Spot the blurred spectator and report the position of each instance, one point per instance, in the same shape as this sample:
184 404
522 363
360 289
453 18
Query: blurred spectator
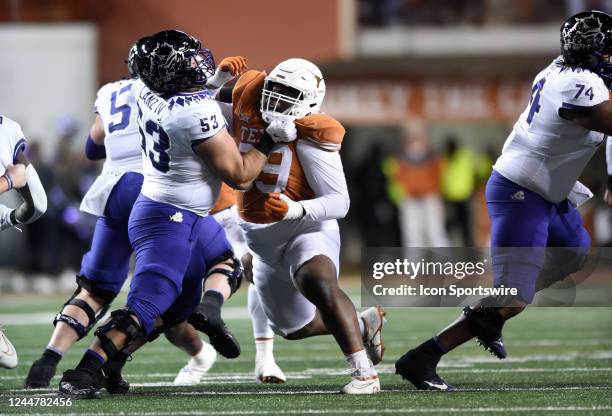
417 175
370 201
458 184
376 13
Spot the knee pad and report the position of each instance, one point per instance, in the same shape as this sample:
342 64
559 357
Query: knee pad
234 276
121 319
93 318
104 294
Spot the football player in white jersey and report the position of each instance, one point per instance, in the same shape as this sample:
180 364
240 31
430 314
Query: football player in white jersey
187 154
289 219
17 173
533 193
114 136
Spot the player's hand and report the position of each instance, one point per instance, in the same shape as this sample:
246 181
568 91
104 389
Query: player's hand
282 129
608 197
16 175
5 218
235 65
283 208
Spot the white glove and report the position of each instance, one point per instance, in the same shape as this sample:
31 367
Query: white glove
5 218
295 210
282 129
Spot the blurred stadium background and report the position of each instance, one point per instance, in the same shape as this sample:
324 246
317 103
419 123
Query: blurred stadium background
428 91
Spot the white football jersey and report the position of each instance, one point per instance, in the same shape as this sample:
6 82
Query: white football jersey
116 106
174 173
546 153
12 142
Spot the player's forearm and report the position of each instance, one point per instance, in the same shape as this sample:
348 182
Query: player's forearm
326 207
252 163
35 199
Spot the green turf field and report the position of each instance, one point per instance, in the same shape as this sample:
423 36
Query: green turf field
560 364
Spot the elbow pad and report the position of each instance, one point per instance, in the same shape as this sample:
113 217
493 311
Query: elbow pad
39 198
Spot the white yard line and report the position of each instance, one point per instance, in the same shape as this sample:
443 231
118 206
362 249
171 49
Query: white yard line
383 369
288 391
485 410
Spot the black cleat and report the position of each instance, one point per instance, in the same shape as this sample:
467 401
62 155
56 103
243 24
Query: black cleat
78 384
419 368
218 333
114 384
487 323
40 375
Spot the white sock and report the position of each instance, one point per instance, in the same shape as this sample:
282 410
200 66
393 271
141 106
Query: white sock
264 349
199 358
359 361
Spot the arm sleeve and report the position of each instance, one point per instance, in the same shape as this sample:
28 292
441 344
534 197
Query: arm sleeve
94 151
583 91
325 175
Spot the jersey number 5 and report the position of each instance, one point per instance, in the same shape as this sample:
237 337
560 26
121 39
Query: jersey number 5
123 109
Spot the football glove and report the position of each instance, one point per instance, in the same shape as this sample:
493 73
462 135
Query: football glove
282 129
283 208
227 69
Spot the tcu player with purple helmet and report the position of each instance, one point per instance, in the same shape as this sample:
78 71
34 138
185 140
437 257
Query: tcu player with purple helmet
533 193
114 136
188 152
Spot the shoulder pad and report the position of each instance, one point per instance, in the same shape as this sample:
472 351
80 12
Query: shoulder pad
247 91
321 129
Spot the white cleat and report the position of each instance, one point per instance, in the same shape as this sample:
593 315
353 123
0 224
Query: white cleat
193 372
8 355
269 372
373 320
362 383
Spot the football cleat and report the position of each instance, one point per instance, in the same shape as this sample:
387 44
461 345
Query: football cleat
487 324
8 355
419 368
193 372
373 321
267 371
362 383
78 385
40 375
109 377
496 347
218 333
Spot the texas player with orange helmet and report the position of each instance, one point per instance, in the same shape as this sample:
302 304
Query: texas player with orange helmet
289 218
